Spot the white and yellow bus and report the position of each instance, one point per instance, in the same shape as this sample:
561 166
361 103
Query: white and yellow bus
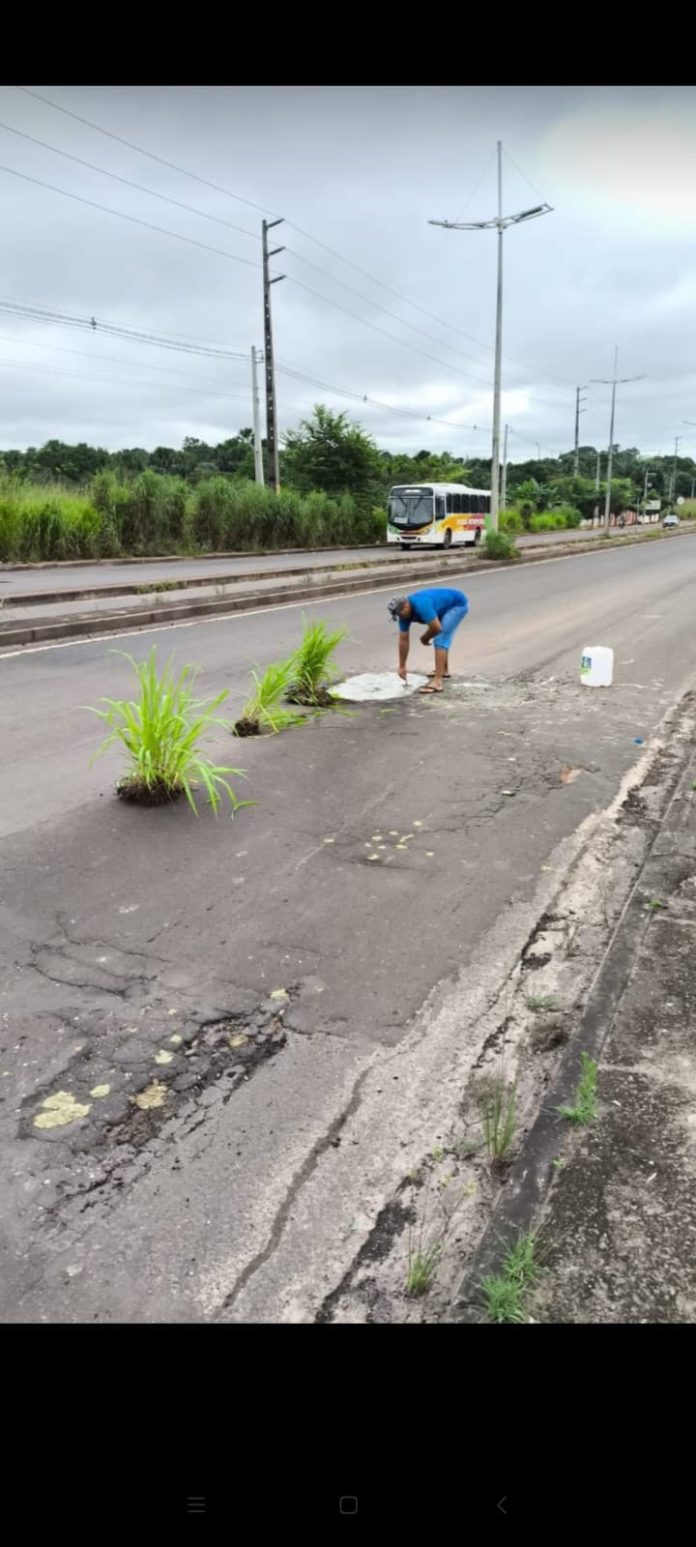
436 514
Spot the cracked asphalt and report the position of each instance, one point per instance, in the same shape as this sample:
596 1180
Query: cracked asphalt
250 1010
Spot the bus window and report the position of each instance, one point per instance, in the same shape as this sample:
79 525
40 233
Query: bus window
450 504
481 501
466 504
439 505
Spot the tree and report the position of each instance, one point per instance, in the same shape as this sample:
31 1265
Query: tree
332 454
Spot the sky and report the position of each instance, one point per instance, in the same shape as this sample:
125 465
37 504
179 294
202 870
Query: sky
380 313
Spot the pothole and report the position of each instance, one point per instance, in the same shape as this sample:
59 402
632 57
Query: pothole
378 687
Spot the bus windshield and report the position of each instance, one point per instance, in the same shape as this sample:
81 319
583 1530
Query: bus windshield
411 507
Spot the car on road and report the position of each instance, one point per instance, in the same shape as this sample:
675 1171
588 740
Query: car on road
671 521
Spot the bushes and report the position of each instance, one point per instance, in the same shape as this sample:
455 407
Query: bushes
157 513
510 521
556 520
498 545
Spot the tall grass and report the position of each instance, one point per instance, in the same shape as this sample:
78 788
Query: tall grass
157 514
312 666
263 710
160 732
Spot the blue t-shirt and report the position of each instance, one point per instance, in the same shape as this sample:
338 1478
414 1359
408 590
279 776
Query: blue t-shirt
427 605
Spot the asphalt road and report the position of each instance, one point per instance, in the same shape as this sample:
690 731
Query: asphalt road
66 577
119 924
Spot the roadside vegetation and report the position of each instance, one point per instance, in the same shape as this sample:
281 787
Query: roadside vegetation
62 502
160 731
585 1107
506 1294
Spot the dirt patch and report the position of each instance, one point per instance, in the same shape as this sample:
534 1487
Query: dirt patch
247 728
139 793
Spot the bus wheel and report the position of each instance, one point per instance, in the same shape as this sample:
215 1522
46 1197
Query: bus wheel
447 539
477 536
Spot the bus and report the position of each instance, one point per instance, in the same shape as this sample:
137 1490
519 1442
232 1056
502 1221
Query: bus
436 514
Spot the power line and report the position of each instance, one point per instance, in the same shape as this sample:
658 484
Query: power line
90 324
26 343
131 146
205 215
23 365
205 182
134 219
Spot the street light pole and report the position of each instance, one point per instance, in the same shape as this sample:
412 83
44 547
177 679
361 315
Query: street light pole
673 479
500 224
613 383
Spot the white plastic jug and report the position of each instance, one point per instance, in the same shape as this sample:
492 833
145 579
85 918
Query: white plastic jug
597 666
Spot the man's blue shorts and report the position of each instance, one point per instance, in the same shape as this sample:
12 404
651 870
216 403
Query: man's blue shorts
450 621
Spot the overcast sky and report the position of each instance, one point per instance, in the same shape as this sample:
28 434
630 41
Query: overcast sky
361 169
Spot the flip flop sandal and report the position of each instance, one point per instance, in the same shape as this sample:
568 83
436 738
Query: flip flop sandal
446 675
429 689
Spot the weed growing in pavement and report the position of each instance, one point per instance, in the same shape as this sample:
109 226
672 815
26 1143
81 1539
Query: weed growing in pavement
426 1245
498 545
655 903
312 667
263 710
542 1002
160 732
506 1293
498 1107
585 1107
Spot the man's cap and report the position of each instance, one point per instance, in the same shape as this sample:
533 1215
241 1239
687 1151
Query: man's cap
396 605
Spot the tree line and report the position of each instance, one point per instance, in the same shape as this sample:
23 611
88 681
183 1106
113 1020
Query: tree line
331 454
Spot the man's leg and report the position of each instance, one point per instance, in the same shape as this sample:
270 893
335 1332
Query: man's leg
446 670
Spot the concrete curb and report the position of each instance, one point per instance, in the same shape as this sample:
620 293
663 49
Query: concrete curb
532 1174
161 614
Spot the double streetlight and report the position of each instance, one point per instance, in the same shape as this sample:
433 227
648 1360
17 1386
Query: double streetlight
500 224
614 382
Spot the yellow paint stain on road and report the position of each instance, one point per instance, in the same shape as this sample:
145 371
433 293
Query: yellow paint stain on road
60 1109
238 1040
279 993
162 1056
151 1097
100 1091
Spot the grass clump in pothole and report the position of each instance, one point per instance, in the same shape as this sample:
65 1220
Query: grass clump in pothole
160 732
506 1293
263 711
585 1107
312 667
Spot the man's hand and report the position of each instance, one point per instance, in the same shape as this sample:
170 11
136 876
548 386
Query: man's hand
402 674
425 638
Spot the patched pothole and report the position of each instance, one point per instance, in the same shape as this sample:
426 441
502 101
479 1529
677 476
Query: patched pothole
125 1092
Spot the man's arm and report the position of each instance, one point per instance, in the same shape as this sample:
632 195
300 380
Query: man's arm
434 627
404 641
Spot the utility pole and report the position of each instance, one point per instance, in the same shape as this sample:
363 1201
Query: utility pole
499 223
258 449
271 418
613 383
503 481
578 412
673 479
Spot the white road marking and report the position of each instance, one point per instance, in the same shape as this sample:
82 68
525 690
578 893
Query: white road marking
255 612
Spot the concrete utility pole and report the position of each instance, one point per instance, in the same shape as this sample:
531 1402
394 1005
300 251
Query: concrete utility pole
271 419
613 383
258 449
599 471
578 412
500 224
503 480
673 479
